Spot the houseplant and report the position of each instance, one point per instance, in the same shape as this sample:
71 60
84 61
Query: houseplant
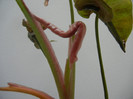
67 80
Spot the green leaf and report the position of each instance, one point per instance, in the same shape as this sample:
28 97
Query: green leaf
116 14
86 7
121 24
114 32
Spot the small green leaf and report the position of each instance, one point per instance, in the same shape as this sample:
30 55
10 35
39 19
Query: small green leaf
121 24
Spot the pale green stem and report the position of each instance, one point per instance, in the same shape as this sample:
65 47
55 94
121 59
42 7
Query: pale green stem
100 59
70 73
46 49
71 11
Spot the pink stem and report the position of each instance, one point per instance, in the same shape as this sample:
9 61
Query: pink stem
76 45
23 89
78 27
56 30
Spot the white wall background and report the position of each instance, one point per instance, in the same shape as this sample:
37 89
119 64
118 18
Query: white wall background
22 63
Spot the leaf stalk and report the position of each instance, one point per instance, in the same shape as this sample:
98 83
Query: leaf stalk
100 59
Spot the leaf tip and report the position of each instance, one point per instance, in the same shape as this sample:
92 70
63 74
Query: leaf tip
124 46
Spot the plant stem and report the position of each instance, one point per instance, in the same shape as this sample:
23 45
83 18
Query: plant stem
72 82
100 59
70 73
46 49
71 11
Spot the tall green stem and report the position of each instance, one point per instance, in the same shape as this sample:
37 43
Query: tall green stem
71 11
100 59
70 73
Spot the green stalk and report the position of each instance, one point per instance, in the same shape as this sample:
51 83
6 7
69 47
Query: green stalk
71 11
72 82
100 59
70 73
46 49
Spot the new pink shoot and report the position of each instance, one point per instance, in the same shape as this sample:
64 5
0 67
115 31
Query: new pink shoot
78 29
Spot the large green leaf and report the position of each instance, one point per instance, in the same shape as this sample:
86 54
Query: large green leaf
121 24
116 14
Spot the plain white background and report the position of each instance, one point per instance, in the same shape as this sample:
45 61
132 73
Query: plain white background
22 63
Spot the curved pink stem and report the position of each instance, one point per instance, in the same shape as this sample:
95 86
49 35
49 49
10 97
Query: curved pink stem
78 28
72 30
76 45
